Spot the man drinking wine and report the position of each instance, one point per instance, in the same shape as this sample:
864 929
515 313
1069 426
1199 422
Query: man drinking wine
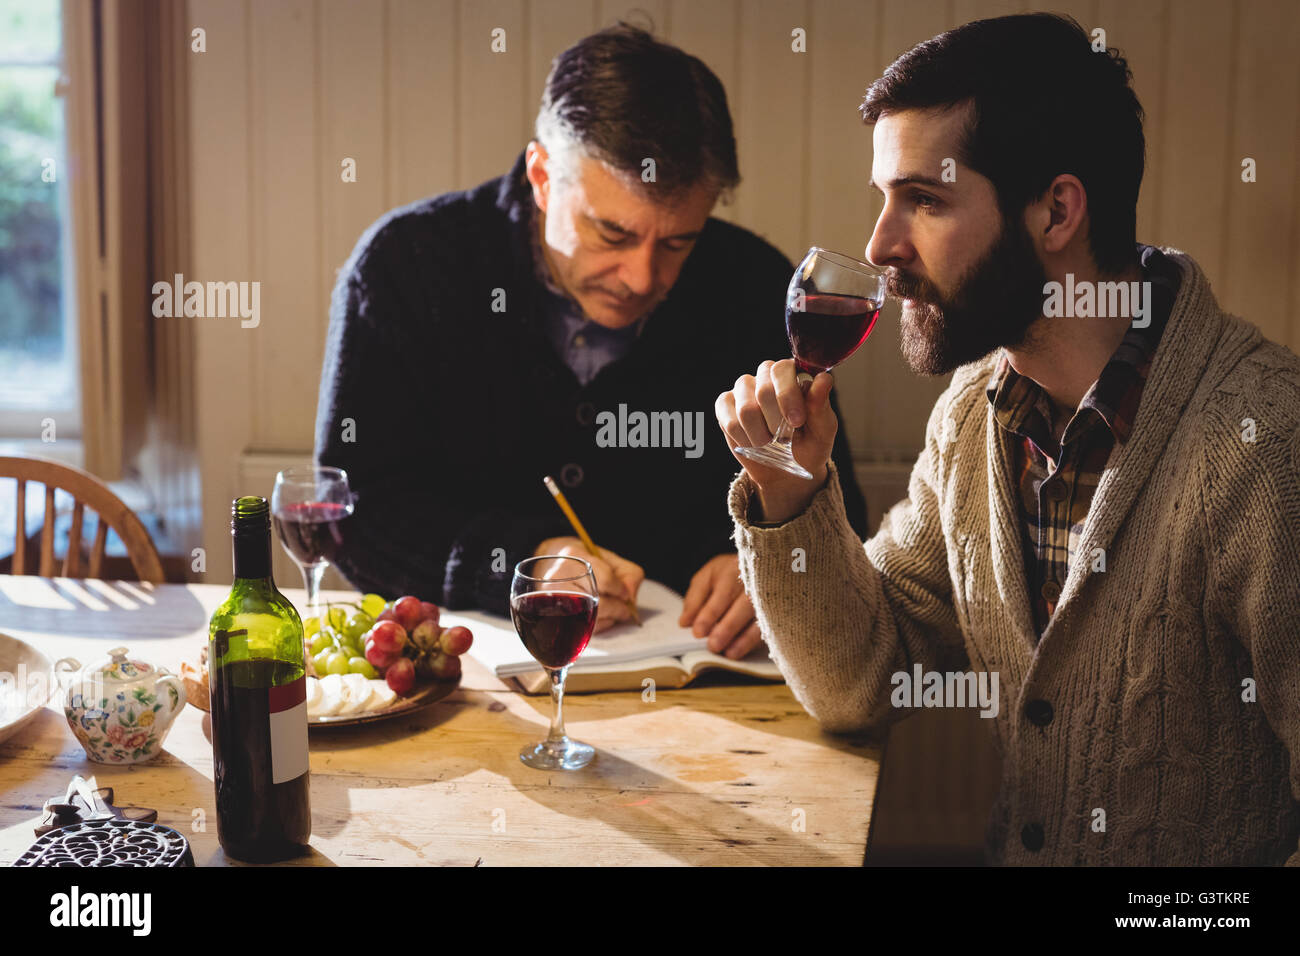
1106 510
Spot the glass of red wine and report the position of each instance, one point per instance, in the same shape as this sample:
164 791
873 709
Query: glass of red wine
831 307
308 507
553 601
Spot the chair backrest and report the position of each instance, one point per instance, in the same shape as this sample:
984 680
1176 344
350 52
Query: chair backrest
87 492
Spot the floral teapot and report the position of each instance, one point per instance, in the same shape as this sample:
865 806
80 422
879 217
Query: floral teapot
120 709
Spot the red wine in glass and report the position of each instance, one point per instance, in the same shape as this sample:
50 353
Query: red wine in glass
829 328
831 307
308 506
310 530
555 626
553 602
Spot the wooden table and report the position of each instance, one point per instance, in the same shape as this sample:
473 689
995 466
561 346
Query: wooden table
724 774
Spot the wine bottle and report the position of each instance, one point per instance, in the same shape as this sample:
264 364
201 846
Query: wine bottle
258 676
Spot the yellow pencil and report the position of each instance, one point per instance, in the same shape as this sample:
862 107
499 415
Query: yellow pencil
590 545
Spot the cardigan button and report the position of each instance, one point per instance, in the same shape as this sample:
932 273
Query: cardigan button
571 475
1031 835
1051 592
586 413
1039 712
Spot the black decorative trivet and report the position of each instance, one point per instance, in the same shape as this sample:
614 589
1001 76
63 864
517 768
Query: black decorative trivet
109 843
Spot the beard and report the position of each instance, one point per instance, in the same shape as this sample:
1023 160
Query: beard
995 304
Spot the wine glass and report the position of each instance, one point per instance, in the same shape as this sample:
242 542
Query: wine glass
308 507
553 602
831 307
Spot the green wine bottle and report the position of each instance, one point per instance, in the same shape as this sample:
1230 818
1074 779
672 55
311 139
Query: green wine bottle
258 676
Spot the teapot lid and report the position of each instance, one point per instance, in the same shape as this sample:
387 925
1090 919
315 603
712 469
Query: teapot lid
118 668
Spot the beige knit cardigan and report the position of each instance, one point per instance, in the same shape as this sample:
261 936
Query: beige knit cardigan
1152 721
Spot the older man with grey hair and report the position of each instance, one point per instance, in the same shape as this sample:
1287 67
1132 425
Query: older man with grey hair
575 317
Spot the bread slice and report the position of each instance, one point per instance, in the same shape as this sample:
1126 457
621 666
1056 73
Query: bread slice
196 685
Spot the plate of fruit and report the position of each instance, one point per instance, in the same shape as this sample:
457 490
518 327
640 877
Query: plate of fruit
379 659
368 661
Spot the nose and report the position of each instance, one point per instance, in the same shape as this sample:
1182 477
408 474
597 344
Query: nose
889 243
637 270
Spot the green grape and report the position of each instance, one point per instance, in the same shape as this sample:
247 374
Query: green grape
320 660
359 665
319 643
338 617
310 625
373 605
357 625
337 663
350 647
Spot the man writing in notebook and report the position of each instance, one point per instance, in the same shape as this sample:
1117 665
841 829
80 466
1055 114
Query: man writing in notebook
1106 510
575 317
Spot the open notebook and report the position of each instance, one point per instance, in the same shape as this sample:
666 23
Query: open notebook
619 658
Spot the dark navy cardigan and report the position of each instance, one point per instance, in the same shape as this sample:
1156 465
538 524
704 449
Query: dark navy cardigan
457 410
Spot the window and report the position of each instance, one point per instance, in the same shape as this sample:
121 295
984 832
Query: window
39 376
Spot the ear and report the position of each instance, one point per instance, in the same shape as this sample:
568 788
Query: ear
535 159
1060 214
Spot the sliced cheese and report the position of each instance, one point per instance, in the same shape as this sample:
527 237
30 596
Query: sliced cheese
333 696
358 694
339 695
381 694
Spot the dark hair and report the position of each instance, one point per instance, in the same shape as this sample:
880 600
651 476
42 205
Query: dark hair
1044 104
626 97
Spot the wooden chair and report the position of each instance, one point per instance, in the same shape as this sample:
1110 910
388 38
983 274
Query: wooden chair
87 492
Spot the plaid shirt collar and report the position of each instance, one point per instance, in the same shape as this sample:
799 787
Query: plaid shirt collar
1114 395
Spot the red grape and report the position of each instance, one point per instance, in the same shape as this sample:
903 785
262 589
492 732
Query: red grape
401 676
431 612
409 611
389 637
378 657
456 640
385 615
445 666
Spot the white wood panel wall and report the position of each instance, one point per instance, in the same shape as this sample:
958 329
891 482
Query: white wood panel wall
411 91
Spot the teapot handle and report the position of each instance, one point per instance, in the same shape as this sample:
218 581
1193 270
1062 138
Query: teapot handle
64 667
177 687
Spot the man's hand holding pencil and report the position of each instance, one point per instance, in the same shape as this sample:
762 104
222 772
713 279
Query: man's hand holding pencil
616 577
716 606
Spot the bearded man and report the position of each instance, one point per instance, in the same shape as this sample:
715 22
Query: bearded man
1106 511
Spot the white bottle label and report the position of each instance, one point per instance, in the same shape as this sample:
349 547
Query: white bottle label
288 705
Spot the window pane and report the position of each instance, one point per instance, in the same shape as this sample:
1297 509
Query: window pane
35 356
29 29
